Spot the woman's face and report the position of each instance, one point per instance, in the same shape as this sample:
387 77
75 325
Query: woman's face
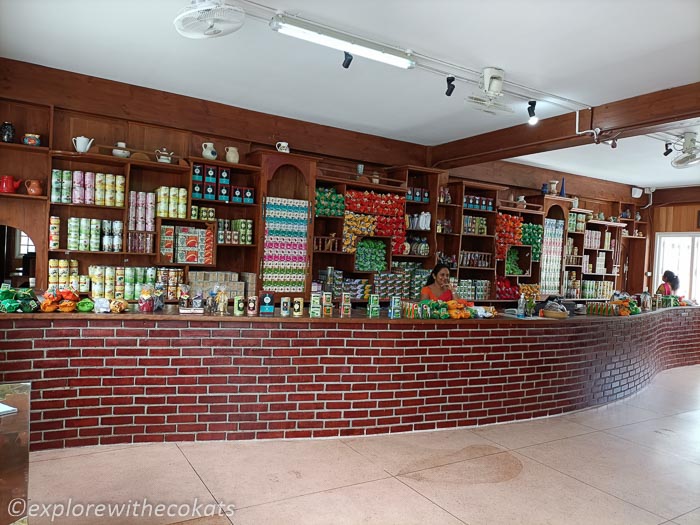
443 277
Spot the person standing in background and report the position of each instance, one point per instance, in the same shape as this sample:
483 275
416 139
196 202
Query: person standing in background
670 283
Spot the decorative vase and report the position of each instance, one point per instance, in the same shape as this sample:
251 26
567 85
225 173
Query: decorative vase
7 132
553 187
562 191
208 151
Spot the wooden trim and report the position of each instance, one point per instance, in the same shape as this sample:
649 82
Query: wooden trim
83 93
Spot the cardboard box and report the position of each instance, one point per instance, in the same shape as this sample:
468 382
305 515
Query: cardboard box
210 190
210 174
224 176
249 195
197 173
197 190
223 195
237 195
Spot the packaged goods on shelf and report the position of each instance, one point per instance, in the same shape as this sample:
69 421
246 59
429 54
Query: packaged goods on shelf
474 289
505 289
596 289
388 285
285 247
474 225
329 203
369 202
78 187
234 231
474 202
357 225
532 235
370 255
171 202
512 259
193 245
591 239
474 259
552 252
508 233
88 234
357 288
205 281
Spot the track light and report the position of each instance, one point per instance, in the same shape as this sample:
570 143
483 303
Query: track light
324 36
531 111
347 60
450 86
668 149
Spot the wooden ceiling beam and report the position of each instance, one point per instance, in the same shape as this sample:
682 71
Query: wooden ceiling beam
659 111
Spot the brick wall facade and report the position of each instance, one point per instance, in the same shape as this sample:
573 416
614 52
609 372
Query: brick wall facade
128 379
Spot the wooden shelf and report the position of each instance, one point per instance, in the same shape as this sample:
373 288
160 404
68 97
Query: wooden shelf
360 184
24 148
336 217
223 203
334 252
484 236
93 206
23 196
477 268
236 167
416 230
520 210
448 234
416 203
445 205
409 256
607 223
477 210
635 237
581 210
108 160
601 274
236 246
188 221
100 252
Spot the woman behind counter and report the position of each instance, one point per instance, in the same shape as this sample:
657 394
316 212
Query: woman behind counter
439 287
670 283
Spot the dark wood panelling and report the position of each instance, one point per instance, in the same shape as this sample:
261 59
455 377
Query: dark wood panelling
532 178
63 89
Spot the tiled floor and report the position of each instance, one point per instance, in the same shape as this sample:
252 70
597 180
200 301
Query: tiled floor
634 462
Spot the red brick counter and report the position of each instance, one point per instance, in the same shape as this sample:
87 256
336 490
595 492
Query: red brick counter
100 379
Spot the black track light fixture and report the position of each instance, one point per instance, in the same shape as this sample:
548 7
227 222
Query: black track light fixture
347 60
531 111
450 86
668 149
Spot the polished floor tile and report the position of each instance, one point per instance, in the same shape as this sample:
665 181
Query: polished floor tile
611 416
525 433
128 478
403 453
658 482
632 462
382 502
509 488
674 434
250 473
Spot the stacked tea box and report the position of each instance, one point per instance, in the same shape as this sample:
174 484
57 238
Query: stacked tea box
64 272
78 187
194 245
357 288
251 282
206 281
142 212
388 285
171 202
285 248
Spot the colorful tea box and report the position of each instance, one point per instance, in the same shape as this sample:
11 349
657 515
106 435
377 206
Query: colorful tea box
237 195
224 176
395 307
267 303
248 195
345 305
197 189
210 174
197 173
223 195
210 190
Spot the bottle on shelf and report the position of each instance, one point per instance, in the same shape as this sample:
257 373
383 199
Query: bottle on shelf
521 306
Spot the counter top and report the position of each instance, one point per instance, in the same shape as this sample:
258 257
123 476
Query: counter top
170 313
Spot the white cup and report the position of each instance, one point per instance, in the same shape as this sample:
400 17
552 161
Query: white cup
32 282
282 147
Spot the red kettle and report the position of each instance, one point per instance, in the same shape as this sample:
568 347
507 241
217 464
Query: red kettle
8 184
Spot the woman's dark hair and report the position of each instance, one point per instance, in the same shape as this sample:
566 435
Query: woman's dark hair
672 279
433 274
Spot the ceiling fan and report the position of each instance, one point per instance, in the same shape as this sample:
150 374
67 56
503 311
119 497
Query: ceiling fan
690 154
209 19
491 84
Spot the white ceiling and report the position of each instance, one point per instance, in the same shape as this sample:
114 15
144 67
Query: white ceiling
590 51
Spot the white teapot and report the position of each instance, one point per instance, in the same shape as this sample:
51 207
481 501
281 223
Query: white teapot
231 154
82 144
208 151
162 155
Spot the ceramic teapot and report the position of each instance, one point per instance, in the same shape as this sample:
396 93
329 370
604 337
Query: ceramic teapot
33 187
208 151
82 144
8 184
162 155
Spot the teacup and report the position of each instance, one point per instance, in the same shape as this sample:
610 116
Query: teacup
282 147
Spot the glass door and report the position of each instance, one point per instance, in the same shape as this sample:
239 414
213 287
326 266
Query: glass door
680 253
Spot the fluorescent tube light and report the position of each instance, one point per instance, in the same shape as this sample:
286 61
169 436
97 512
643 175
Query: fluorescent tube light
340 41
